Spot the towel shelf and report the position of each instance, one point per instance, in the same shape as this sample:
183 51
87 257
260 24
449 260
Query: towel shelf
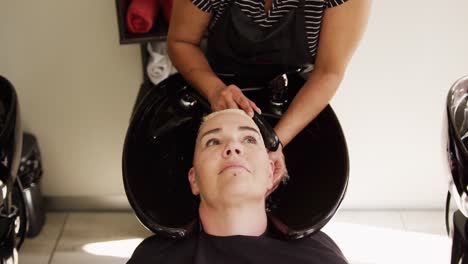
157 33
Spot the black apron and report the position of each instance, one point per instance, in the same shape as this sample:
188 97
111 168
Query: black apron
238 45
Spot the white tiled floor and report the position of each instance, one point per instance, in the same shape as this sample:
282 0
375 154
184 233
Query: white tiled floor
364 237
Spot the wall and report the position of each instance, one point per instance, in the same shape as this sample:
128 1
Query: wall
391 104
77 87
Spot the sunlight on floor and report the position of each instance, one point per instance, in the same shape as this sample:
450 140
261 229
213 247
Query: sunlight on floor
362 244
115 248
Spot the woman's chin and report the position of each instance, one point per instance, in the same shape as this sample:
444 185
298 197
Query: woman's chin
241 192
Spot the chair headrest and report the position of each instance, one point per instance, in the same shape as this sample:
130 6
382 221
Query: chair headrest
10 131
457 139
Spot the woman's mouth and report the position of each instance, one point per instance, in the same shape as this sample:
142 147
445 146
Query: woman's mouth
233 166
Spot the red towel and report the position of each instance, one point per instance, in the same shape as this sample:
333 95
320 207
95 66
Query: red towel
141 15
166 6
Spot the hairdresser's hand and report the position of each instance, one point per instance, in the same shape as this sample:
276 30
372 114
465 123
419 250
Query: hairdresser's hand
280 171
231 96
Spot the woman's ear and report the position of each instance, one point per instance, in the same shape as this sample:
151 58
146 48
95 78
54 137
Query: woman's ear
271 171
193 181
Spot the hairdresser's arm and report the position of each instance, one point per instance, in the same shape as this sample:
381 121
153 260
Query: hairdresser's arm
341 31
188 24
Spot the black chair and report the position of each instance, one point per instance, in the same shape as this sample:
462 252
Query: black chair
159 146
29 177
457 161
12 228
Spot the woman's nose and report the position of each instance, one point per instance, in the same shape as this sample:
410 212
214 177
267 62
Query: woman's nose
232 148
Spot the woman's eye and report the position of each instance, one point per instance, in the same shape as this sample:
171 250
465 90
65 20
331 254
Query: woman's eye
250 140
211 142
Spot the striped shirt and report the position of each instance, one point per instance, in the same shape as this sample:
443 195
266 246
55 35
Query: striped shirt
255 9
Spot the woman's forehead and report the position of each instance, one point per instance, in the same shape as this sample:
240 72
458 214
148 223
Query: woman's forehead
228 120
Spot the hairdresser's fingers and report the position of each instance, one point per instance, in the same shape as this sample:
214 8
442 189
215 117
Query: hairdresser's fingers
279 176
231 103
255 107
225 98
280 170
232 97
244 104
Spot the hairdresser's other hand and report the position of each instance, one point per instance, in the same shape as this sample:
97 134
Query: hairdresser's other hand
231 96
280 171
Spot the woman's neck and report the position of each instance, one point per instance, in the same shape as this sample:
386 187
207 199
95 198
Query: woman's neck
247 220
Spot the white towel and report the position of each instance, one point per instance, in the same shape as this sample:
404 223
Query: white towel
159 65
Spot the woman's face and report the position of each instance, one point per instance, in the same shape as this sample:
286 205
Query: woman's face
231 164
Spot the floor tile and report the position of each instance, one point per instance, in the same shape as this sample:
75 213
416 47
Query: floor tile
363 244
381 237
38 250
364 237
388 219
431 222
99 238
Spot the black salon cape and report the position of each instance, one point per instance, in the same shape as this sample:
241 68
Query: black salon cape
207 249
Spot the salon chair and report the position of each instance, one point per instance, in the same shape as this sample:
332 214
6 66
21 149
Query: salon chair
456 135
12 221
29 177
159 145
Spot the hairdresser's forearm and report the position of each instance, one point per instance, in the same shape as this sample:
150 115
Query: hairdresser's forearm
308 103
194 67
